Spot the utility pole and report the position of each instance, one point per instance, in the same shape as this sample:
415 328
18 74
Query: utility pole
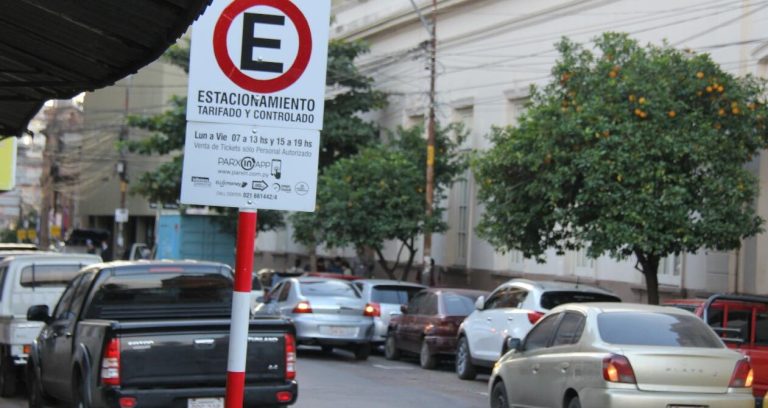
119 243
430 187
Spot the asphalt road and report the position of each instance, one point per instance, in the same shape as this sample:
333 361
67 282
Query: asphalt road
339 381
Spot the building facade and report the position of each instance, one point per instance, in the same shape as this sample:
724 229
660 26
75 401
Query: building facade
488 54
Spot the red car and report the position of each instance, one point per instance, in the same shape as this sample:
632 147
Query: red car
742 323
429 324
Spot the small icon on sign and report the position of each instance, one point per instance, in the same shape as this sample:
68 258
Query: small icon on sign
276 187
260 185
302 188
277 168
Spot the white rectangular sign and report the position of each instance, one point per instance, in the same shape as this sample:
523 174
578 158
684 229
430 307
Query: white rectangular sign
250 167
260 62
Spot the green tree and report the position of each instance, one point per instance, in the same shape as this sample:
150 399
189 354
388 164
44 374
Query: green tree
630 151
344 132
378 195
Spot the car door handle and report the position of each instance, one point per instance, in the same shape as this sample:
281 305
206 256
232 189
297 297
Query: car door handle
510 318
564 367
490 319
68 334
535 368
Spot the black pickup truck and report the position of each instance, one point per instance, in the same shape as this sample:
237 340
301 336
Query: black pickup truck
154 334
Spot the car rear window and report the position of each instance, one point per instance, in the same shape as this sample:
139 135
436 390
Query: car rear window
328 288
458 305
34 276
550 300
656 329
162 295
399 295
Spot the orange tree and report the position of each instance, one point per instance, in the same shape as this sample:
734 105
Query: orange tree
632 151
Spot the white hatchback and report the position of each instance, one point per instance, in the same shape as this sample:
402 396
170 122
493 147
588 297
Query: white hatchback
509 312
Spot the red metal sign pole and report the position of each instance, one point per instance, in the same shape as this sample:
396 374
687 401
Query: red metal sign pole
241 303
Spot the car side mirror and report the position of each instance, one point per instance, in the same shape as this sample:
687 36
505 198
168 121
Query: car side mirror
38 313
404 309
514 344
480 303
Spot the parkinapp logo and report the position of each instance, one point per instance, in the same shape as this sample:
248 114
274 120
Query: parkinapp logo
246 163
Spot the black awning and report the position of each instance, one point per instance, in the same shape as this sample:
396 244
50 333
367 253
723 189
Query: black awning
55 49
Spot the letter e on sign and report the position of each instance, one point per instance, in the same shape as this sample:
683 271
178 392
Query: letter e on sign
252 43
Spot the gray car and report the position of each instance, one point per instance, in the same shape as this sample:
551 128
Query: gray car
326 312
385 297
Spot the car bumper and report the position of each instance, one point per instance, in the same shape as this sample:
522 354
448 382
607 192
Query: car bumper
626 398
323 332
255 395
380 329
441 344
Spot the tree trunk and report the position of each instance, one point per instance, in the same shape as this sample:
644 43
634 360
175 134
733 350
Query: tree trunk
650 269
409 263
383 262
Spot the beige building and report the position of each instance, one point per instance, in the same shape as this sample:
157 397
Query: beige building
488 54
103 166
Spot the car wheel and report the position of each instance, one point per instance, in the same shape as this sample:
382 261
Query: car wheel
499 396
574 403
37 398
7 377
362 351
390 348
464 368
427 360
79 395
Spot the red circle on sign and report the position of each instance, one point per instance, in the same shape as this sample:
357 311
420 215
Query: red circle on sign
231 70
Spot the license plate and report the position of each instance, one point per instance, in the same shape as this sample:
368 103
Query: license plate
205 403
339 331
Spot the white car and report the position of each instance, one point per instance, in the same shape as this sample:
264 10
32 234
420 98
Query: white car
385 298
34 278
509 312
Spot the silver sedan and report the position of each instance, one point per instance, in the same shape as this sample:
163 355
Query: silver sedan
621 355
326 312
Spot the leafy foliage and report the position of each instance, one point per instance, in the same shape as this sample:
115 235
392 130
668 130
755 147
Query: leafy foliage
378 194
628 151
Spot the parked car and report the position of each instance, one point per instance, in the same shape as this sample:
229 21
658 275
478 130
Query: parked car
429 324
154 334
26 280
385 297
327 312
742 323
510 311
620 355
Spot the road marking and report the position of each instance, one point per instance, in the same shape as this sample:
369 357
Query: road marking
384 367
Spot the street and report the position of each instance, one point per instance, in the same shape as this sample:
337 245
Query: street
339 381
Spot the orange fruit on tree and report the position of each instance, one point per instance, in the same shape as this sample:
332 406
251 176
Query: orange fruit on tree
672 114
612 74
700 75
641 100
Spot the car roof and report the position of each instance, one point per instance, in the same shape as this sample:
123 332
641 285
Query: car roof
389 282
556 286
161 263
48 256
608 307
6 246
458 291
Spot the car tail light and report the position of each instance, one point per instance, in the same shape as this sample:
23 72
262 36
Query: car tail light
617 369
742 376
302 307
534 317
372 310
127 402
284 396
110 363
290 357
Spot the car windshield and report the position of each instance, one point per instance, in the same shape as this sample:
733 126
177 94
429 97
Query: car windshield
458 305
328 288
656 329
549 300
33 276
399 295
